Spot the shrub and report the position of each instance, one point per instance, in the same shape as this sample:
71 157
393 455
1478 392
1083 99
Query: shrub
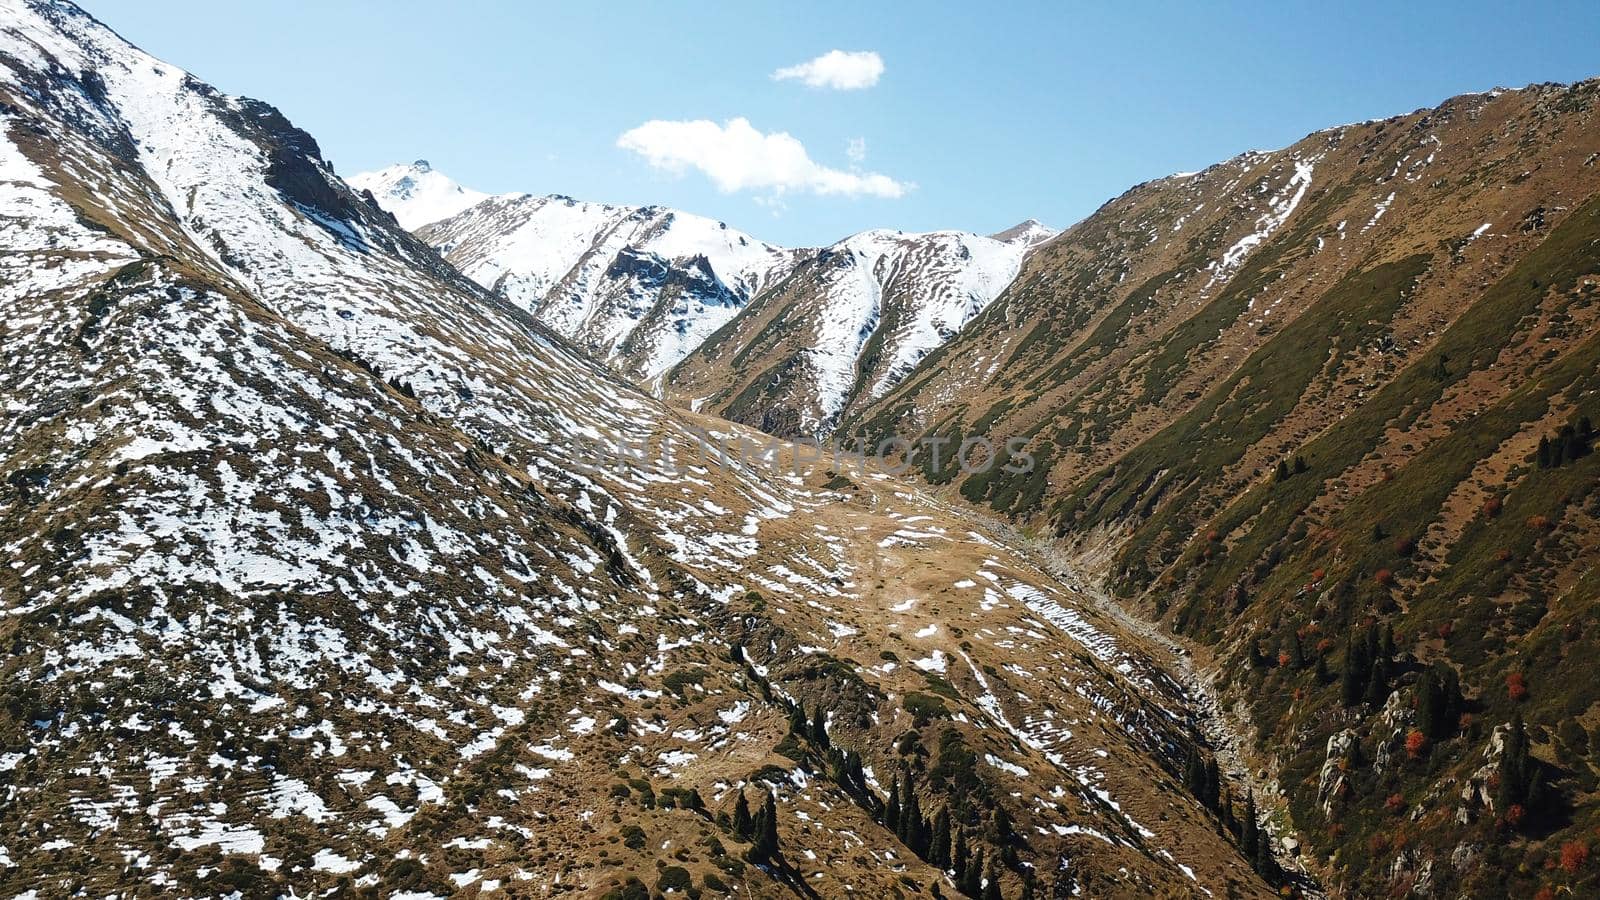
1395 802
1539 523
1384 577
1492 507
1574 854
1416 745
924 708
674 878
1405 546
1516 686
1515 814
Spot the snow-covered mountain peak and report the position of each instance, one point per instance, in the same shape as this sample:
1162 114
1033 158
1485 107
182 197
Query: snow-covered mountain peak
416 193
1029 233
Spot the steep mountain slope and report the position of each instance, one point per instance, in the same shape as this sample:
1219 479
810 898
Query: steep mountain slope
1328 411
847 324
325 573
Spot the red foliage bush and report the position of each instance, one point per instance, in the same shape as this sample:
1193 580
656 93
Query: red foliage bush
1213 536
1405 546
1416 744
1515 814
1318 574
1573 856
1539 523
1384 577
1395 803
1502 555
1492 507
1516 686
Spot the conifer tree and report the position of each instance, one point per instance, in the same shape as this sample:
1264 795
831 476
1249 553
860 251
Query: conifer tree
1521 779
1356 667
1377 684
972 883
819 727
1213 784
743 827
959 858
939 848
765 846
1249 830
991 884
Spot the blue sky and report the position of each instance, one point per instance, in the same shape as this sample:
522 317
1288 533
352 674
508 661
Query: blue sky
980 118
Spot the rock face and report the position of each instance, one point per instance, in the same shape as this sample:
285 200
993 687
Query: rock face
322 579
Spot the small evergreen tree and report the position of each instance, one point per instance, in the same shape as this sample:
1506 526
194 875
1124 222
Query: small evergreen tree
1439 702
1521 777
765 846
819 727
939 848
991 884
1249 830
1356 666
959 858
1377 684
972 884
743 826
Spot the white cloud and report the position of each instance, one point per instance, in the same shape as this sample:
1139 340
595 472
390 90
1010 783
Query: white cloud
856 150
838 70
738 157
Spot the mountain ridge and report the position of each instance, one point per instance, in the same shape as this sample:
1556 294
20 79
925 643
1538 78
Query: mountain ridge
624 281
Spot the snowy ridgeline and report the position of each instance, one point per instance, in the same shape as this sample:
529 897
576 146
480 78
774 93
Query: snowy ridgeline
644 287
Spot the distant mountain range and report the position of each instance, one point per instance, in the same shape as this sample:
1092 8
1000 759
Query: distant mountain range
813 331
